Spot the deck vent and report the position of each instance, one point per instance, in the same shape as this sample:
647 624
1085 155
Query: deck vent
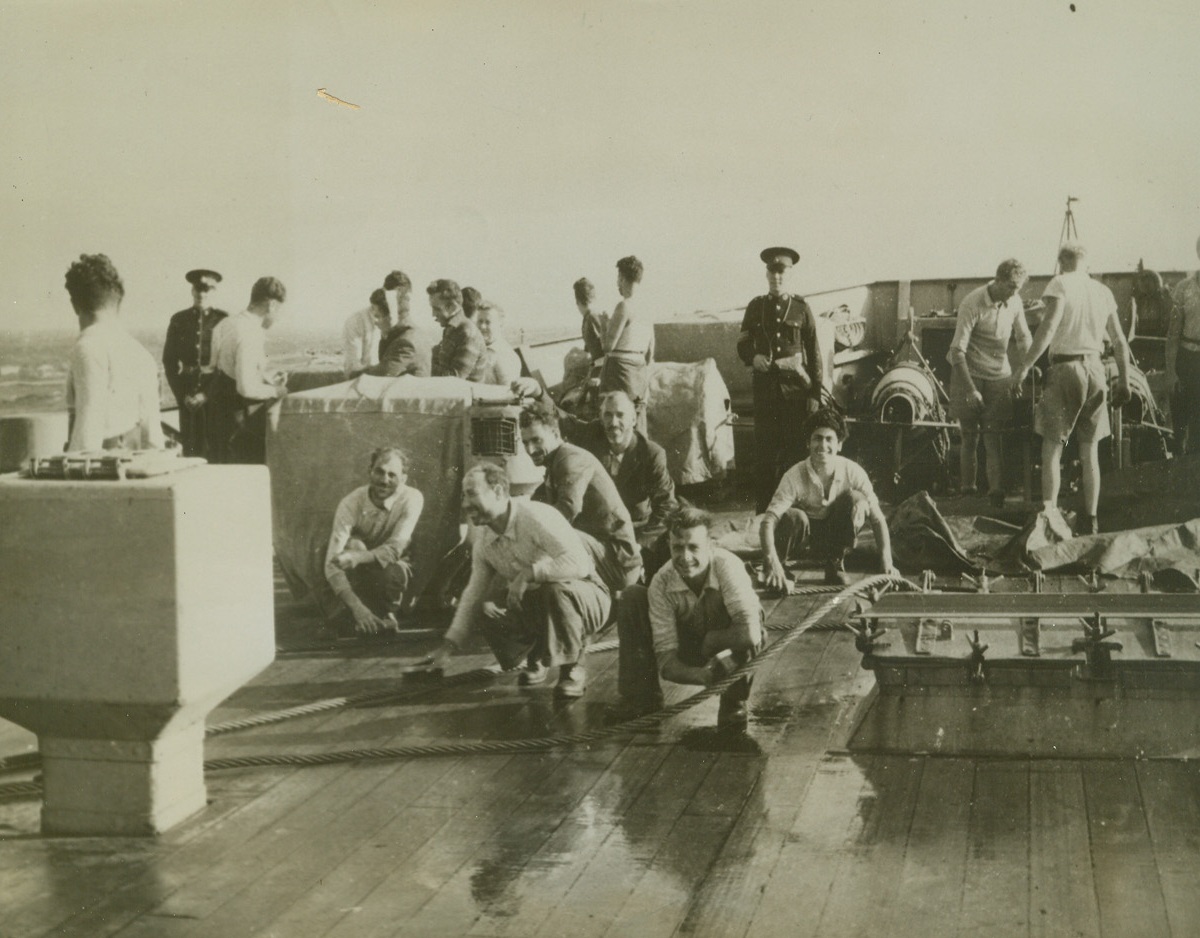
493 436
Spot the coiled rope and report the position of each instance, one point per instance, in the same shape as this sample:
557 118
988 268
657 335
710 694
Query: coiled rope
538 744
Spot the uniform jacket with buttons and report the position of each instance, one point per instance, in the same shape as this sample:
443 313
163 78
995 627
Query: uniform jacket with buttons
188 347
780 327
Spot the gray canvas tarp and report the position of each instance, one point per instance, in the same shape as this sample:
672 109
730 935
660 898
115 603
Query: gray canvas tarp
318 451
688 415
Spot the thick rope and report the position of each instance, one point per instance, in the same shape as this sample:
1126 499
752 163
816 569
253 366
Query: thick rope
791 633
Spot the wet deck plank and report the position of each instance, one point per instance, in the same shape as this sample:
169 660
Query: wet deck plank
638 836
1128 894
1062 891
1171 796
930 881
996 881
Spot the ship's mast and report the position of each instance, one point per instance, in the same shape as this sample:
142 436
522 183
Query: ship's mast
1069 231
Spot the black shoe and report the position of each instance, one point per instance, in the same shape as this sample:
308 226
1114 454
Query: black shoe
835 572
1087 524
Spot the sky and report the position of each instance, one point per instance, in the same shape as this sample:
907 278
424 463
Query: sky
515 145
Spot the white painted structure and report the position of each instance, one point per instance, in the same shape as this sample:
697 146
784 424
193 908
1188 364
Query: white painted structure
130 610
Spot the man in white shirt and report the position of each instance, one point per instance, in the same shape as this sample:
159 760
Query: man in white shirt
242 384
112 381
822 502
981 377
366 561
1080 312
698 619
361 335
533 587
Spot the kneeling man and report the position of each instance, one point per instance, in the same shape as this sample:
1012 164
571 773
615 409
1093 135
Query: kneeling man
699 618
822 502
533 585
365 562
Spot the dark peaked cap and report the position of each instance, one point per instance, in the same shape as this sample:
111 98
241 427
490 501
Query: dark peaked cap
773 255
208 277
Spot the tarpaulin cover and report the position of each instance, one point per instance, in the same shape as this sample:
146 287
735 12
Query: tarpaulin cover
922 540
688 415
318 451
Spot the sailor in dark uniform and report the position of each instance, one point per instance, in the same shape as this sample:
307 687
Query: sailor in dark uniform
779 341
186 350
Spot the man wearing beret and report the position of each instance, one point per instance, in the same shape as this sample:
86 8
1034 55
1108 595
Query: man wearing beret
187 349
779 341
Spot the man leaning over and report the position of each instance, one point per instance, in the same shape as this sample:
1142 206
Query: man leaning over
533 588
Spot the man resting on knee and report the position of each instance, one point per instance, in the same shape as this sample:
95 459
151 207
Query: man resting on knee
698 619
821 503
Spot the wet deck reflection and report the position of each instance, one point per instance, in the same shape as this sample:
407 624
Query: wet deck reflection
673 831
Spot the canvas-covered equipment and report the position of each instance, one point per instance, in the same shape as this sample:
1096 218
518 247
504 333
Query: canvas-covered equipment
688 414
319 450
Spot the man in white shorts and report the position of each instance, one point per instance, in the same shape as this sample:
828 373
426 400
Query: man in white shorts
1079 313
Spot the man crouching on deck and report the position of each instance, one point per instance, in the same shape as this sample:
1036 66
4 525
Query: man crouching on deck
533 585
699 619
821 501
365 562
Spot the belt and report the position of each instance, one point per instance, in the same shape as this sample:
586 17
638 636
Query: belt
1064 359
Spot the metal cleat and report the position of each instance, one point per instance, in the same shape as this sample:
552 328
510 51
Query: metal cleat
1039 581
1031 637
928 580
1162 638
1097 650
1092 581
975 662
1146 581
867 638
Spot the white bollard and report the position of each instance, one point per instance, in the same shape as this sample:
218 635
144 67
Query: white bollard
129 611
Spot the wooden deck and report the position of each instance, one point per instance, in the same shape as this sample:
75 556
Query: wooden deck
658 833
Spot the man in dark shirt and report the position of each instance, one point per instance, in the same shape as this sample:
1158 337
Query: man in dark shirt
403 348
462 352
779 341
636 463
185 352
579 487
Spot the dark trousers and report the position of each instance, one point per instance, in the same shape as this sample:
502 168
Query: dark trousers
381 589
825 538
616 565
1185 403
193 427
237 427
637 664
778 435
552 626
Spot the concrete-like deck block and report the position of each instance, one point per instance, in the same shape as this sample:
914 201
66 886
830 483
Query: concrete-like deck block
130 610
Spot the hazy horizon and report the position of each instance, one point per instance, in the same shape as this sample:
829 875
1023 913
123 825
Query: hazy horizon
515 146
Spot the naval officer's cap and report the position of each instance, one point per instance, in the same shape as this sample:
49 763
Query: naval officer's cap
204 279
783 257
